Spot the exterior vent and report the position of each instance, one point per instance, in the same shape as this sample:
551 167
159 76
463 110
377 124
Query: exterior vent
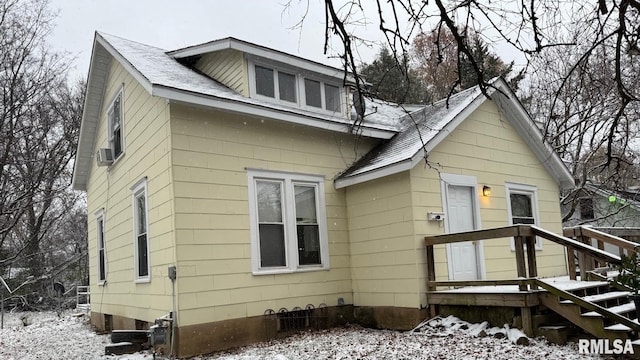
104 157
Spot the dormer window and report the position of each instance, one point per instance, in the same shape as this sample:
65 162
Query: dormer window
289 87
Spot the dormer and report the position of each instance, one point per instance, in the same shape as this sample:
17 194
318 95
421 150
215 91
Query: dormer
269 75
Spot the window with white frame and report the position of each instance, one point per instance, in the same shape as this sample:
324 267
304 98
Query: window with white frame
288 222
102 254
291 88
114 116
141 230
522 205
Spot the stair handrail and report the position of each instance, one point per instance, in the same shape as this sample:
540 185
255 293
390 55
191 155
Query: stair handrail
589 305
590 232
568 242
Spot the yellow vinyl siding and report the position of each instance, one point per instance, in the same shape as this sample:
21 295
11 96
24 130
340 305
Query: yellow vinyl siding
228 67
211 151
146 153
486 146
383 254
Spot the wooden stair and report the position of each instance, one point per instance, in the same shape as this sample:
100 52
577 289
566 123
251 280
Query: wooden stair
596 307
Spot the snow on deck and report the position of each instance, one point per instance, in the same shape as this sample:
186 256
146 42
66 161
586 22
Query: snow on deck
561 282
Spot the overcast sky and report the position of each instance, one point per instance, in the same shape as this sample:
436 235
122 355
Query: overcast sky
173 24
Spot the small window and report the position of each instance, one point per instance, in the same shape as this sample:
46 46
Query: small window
332 97
102 255
312 93
264 81
114 115
287 87
586 209
140 229
522 207
288 223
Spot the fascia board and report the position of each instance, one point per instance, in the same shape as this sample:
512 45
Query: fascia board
259 111
374 174
259 51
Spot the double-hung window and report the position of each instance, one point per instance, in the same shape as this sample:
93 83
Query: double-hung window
288 222
102 254
114 119
522 204
141 231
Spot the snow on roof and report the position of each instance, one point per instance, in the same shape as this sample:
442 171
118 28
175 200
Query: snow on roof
417 128
161 69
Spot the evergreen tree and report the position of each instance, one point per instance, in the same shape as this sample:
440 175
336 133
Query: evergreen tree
393 81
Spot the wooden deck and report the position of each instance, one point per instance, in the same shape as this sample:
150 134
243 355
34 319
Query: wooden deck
563 295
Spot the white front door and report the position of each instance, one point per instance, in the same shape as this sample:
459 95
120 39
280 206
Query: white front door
463 256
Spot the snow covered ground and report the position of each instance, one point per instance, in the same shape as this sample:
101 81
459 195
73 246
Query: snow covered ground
70 337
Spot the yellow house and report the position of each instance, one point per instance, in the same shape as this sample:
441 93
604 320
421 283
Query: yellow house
227 191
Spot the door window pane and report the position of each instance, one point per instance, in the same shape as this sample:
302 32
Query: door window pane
332 97
312 93
264 81
287 86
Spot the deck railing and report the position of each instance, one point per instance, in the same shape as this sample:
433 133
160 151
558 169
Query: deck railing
524 238
618 238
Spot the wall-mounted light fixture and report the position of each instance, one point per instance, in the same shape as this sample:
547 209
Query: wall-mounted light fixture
486 191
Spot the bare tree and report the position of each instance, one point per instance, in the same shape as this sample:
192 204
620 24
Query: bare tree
577 104
39 126
528 27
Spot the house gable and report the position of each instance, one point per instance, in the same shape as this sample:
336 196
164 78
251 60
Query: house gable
424 129
227 66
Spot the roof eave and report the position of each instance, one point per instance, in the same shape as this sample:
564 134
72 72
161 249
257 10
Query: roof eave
410 162
260 51
261 111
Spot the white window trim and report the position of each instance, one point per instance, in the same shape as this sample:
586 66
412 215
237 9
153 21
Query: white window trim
323 103
529 190
301 101
291 251
119 93
136 190
99 215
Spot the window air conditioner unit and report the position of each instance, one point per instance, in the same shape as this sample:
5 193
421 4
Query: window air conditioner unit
104 157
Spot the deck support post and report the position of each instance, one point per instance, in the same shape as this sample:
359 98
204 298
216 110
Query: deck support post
520 265
431 276
527 323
